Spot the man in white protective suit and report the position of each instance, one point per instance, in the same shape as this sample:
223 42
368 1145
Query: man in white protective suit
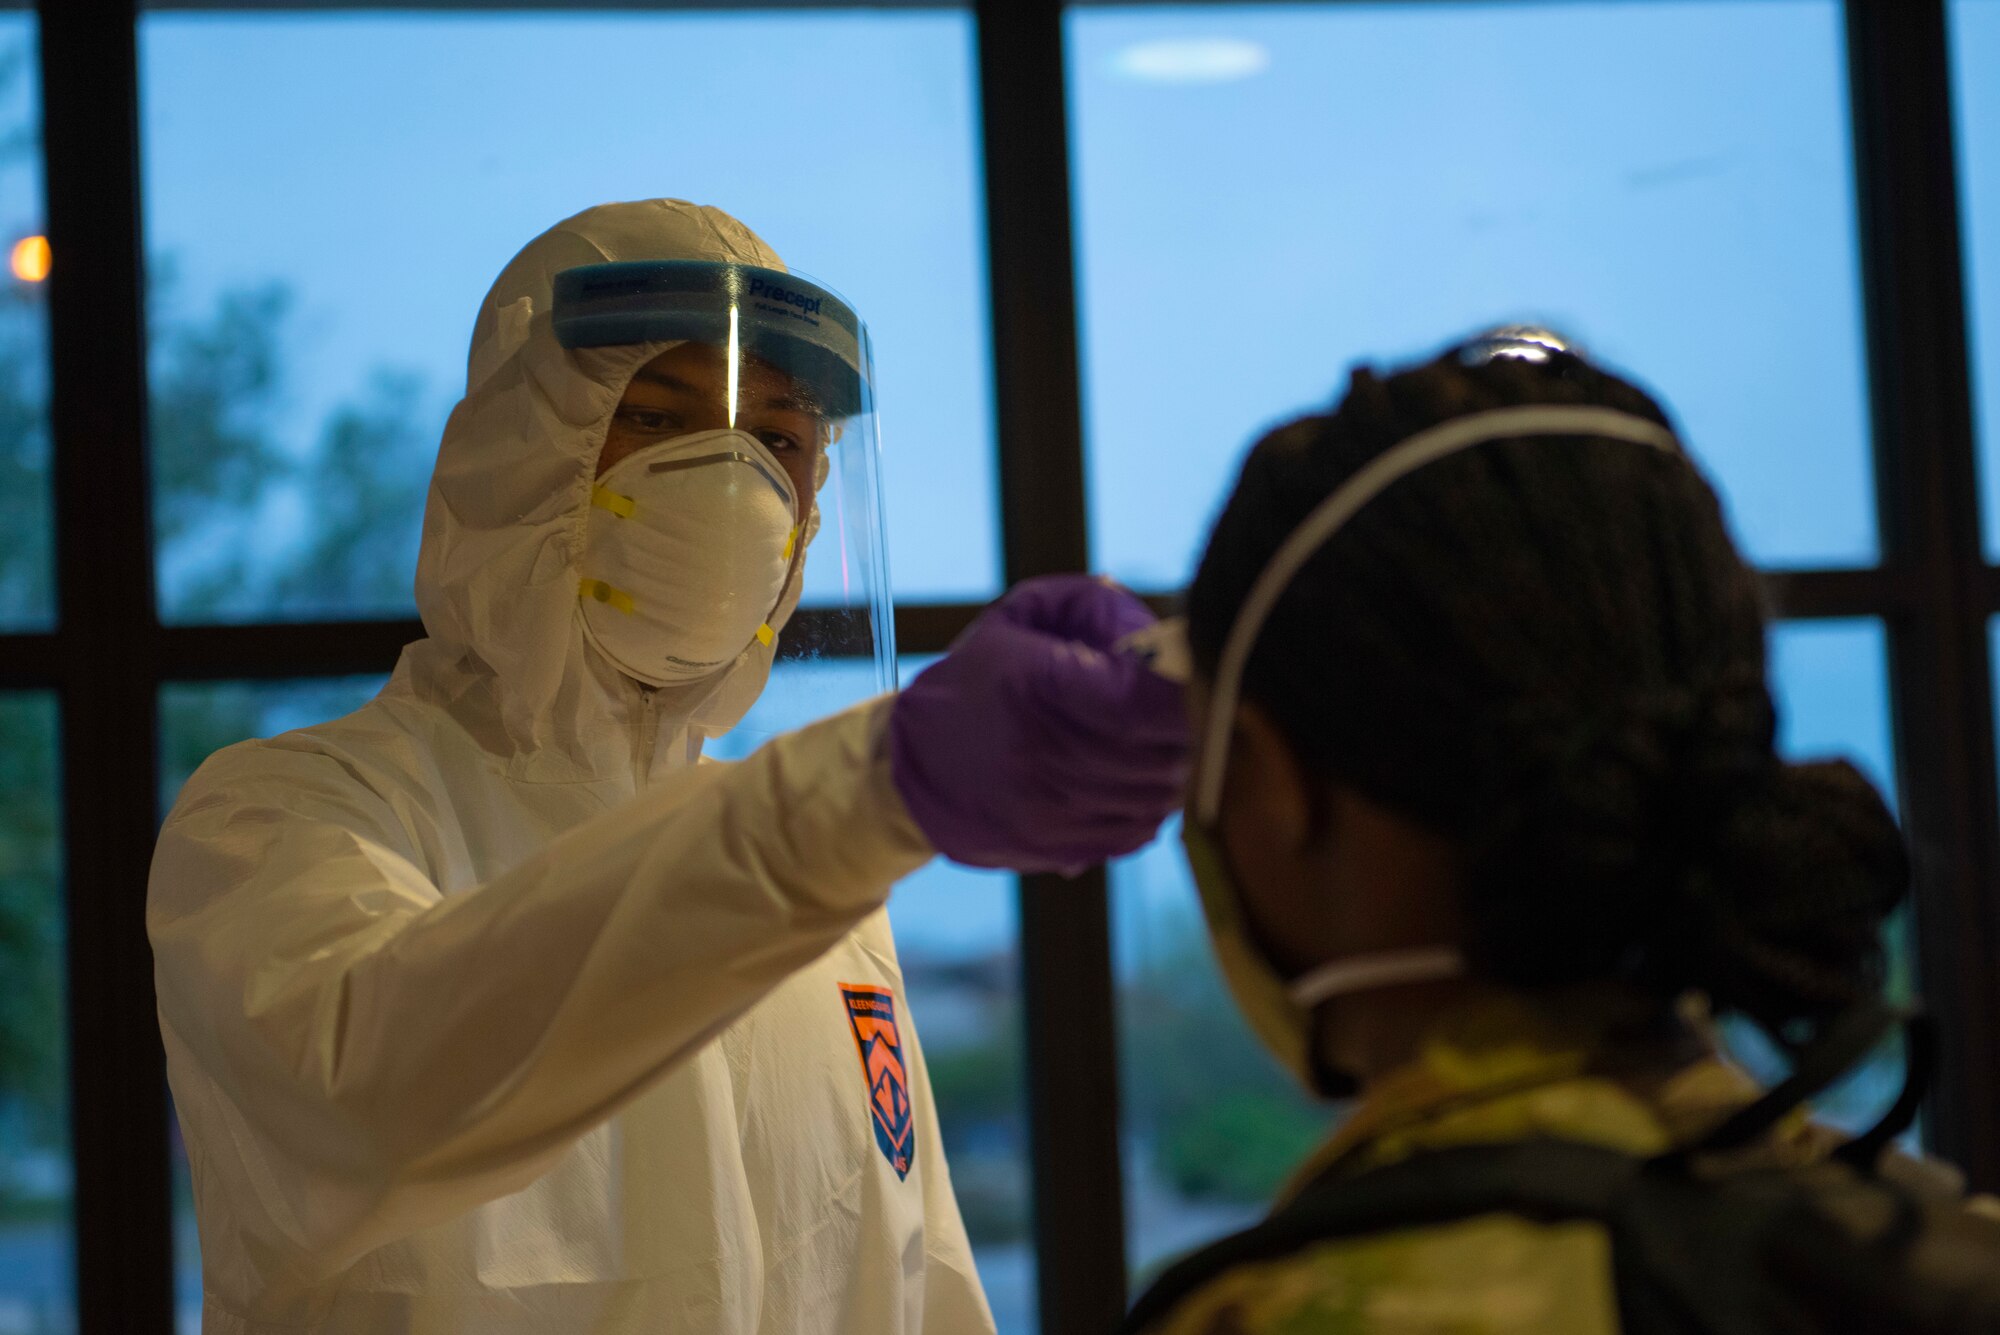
491 1007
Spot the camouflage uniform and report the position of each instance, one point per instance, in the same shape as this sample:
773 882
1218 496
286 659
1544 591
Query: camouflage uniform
1491 1077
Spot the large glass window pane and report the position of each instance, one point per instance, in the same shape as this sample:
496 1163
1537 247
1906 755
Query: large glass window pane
956 936
315 275
1212 1125
1832 683
37 1250
27 594
1975 50
1269 193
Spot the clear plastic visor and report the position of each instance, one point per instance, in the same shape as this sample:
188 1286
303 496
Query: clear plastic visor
783 360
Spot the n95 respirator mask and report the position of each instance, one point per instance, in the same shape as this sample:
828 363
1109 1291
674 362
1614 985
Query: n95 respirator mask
689 549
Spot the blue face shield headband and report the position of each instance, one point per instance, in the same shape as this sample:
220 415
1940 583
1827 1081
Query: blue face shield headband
782 319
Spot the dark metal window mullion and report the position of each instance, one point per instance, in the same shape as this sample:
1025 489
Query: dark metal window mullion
1921 401
273 651
1068 1005
105 654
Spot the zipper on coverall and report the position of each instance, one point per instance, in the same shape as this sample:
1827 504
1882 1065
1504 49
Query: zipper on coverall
648 734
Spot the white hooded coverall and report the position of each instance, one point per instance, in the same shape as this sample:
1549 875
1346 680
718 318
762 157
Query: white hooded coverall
485 1008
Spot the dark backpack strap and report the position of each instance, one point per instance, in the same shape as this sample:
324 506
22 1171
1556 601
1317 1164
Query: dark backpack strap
1540 1180
1848 1037
1920 1050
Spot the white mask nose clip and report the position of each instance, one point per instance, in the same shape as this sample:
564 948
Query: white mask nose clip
777 478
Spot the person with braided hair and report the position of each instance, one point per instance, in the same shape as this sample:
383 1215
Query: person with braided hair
1488 825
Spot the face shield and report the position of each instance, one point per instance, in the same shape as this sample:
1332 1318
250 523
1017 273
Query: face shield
738 490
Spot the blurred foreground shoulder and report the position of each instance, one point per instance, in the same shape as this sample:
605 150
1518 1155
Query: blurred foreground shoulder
1493 1275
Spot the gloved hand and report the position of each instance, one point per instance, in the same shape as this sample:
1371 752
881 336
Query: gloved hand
1032 745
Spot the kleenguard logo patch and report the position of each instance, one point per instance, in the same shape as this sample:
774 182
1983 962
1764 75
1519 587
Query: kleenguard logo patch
871 1012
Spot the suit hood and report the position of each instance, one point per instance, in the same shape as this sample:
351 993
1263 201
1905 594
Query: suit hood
504 518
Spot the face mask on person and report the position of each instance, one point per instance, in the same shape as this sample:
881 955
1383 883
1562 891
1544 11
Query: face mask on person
1280 1013
690 547
1280 1010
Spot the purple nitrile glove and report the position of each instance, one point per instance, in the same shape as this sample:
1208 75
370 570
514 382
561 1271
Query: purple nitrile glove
1032 744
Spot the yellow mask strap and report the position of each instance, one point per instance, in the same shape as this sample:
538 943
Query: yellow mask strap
605 593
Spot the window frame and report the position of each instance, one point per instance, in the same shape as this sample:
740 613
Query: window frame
109 656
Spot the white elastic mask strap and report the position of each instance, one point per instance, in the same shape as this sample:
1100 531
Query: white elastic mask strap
1318 528
1367 973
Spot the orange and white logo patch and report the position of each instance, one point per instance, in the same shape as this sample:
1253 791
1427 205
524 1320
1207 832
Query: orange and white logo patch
871 1014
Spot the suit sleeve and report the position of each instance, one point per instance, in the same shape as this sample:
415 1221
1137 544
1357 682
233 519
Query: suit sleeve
384 1058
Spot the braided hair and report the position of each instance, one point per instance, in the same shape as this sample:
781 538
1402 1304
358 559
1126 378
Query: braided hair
1550 651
